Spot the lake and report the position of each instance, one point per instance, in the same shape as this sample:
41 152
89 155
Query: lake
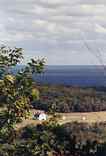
73 75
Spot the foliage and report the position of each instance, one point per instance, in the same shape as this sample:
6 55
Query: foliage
9 57
58 140
70 99
18 89
36 65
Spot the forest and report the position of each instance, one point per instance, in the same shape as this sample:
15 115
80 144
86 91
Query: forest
68 99
19 93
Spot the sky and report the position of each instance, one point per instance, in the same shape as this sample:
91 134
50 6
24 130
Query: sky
65 32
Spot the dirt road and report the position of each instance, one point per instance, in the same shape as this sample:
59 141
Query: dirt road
91 117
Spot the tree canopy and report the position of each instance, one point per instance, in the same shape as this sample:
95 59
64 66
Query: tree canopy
17 90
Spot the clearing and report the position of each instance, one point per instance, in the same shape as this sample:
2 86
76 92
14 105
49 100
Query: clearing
89 117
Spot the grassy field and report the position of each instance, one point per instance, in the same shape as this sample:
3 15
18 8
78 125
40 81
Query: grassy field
91 117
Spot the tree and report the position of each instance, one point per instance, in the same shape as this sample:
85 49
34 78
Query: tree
9 57
18 89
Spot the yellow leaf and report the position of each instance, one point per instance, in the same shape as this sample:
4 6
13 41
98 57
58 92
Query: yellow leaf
9 78
35 94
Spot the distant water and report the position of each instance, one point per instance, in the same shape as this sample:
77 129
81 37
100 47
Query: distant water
73 75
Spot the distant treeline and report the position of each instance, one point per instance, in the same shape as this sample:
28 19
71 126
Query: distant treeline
70 99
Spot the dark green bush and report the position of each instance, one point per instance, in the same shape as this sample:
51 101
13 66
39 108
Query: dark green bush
67 140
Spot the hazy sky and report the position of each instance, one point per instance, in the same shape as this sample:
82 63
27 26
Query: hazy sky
63 31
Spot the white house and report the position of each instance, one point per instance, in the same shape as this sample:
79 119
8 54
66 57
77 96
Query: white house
42 116
39 115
